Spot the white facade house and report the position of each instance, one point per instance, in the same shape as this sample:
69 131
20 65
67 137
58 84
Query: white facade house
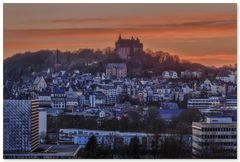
102 114
170 74
166 75
39 84
173 74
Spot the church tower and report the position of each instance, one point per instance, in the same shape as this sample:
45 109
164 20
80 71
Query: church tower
57 64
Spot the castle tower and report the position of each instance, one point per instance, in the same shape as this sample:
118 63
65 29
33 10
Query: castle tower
125 48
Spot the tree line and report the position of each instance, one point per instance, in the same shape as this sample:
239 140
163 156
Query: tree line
167 148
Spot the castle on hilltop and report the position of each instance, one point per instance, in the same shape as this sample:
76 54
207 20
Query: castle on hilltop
127 47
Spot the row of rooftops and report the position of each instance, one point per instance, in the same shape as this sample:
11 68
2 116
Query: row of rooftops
117 65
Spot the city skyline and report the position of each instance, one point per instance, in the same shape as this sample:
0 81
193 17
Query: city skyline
202 33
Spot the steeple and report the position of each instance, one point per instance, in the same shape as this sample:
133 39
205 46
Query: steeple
57 57
120 37
57 64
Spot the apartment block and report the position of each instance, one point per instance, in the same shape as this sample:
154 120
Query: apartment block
21 121
216 137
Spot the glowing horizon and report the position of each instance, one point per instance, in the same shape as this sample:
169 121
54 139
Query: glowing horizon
201 33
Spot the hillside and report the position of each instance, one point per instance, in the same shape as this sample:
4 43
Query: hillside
139 65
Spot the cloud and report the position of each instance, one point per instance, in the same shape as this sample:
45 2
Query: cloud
177 33
133 20
213 59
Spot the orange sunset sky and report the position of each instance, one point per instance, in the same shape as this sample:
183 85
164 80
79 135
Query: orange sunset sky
203 33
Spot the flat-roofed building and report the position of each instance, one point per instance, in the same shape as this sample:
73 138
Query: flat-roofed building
81 136
48 152
211 102
203 103
20 120
216 137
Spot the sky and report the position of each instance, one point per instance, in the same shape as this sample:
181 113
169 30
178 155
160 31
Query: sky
202 33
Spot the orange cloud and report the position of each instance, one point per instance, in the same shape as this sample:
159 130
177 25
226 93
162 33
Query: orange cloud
186 34
213 59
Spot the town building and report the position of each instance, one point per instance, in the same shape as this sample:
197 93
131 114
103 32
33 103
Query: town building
215 137
58 98
212 102
44 99
39 84
92 99
127 47
43 122
20 128
100 98
118 70
204 103
230 78
107 138
96 113
169 74
191 74
71 99
114 139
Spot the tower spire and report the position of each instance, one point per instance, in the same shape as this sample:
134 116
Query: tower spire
120 37
57 57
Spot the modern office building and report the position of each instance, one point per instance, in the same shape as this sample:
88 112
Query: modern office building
114 138
81 136
20 131
211 102
204 103
216 137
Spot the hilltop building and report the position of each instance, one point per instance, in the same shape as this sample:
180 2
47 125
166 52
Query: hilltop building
170 74
118 70
127 47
